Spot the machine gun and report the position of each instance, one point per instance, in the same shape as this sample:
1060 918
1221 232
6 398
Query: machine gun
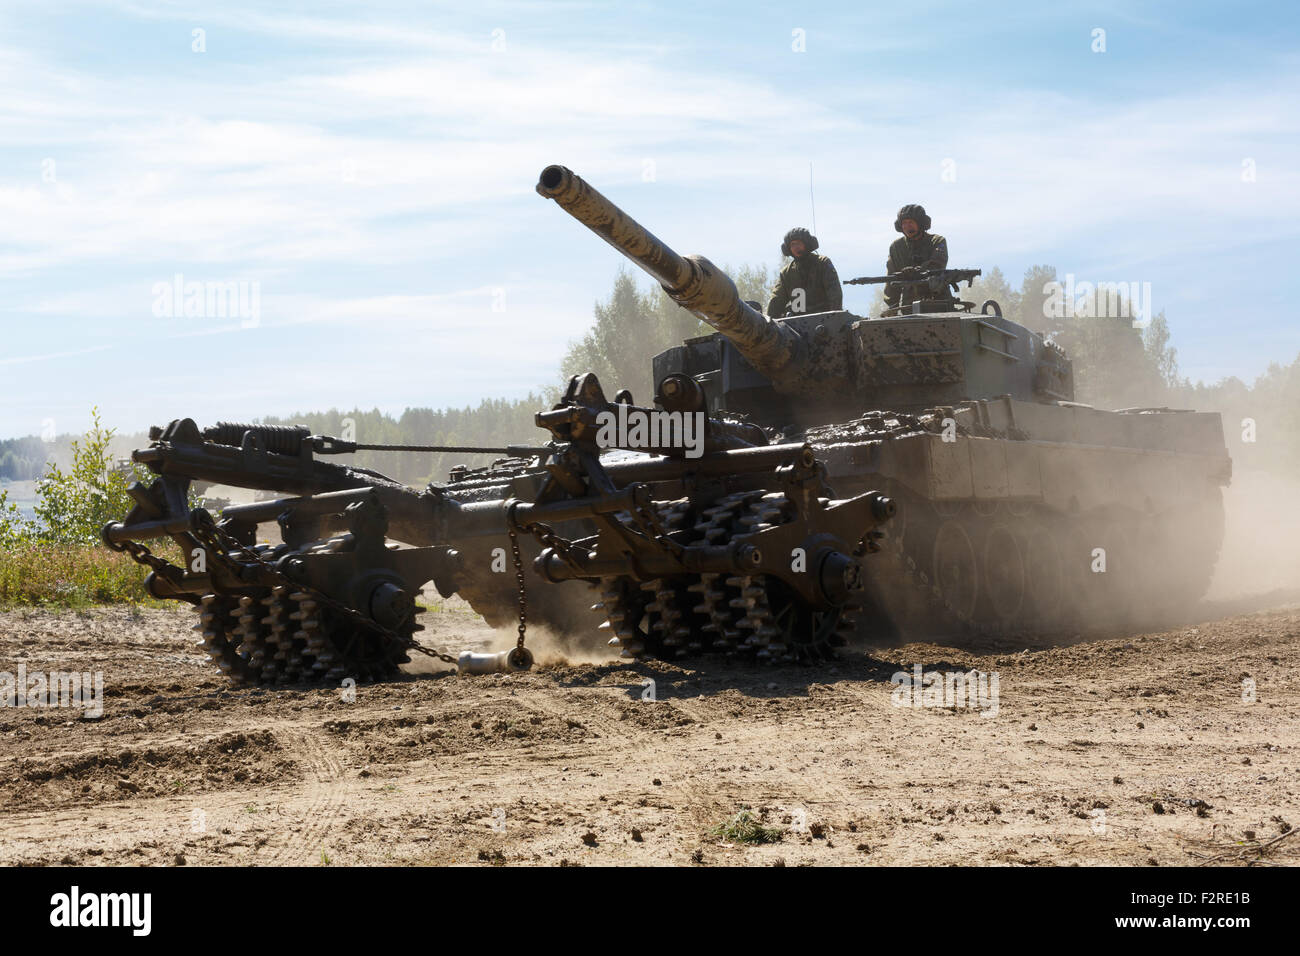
914 276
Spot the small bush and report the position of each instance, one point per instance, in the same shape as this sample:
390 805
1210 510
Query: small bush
745 827
57 559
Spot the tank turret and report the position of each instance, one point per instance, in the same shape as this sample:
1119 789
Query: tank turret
810 368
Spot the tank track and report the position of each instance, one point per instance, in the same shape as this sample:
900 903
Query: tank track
1020 572
1025 574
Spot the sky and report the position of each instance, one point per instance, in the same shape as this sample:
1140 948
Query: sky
364 174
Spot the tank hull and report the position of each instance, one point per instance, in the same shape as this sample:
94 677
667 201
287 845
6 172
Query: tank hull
1033 521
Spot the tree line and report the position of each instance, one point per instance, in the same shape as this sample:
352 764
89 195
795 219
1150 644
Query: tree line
1115 366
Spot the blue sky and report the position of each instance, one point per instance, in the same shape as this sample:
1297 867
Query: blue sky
371 168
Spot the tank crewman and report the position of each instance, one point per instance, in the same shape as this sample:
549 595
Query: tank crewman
808 282
917 250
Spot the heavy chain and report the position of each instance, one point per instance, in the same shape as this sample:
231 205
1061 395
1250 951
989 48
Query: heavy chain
443 656
547 537
519 581
141 554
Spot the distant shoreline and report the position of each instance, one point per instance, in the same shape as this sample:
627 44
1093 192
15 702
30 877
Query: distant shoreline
22 494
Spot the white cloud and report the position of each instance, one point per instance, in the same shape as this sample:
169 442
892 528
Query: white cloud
25 359
379 173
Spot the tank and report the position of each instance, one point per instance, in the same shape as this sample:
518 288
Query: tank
1019 512
803 479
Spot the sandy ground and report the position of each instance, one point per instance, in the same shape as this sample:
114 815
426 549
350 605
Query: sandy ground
1128 749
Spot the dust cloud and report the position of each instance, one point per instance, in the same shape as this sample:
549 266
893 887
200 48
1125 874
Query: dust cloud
553 648
1261 542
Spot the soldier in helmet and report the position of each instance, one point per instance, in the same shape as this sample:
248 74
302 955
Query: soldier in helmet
918 250
808 282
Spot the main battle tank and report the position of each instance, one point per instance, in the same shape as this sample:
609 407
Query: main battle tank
1018 511
916 474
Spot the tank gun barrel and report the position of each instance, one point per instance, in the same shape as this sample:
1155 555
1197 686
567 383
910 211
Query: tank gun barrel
693 282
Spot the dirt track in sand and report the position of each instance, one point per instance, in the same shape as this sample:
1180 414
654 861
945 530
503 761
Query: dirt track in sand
1130 750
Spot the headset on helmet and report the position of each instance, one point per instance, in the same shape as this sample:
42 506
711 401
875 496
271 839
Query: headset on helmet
916 213
798 232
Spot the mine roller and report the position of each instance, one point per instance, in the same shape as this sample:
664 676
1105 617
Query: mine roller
925 473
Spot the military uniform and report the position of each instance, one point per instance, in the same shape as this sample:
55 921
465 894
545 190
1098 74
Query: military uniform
813 273
927 251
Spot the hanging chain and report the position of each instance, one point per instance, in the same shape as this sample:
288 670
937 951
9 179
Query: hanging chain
519 581
140 554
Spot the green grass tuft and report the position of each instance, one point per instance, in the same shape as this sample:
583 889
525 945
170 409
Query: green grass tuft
745 827
70 576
